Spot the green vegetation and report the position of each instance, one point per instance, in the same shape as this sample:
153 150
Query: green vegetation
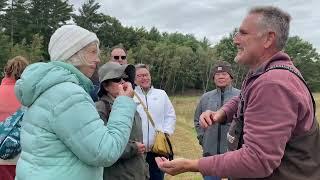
179 62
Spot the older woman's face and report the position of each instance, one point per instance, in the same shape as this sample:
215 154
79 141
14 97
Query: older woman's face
112 87
91 54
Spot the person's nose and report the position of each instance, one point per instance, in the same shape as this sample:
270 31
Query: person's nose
123 61
98 60
236 38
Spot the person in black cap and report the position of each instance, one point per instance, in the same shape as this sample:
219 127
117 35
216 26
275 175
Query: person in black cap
132 163
214 139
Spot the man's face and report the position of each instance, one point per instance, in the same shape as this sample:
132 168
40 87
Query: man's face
143 78
119 55
249 41
222 79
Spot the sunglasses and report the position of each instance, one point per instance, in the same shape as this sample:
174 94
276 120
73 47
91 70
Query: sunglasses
118 80
118 57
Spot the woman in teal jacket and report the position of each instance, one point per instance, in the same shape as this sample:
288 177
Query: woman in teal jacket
62 136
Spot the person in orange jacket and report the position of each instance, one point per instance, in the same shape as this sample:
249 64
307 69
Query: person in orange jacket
9 104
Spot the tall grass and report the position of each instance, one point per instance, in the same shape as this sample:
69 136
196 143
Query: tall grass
184 139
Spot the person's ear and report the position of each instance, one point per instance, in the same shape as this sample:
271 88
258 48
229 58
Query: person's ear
270 39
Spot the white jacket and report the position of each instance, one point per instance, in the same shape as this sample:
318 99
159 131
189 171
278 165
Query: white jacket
161 110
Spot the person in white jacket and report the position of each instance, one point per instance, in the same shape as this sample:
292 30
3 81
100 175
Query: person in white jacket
161 110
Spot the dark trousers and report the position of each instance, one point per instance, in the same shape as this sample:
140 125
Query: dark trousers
155 172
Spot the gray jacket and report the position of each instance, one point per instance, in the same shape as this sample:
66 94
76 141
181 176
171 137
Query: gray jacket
213 139
131 165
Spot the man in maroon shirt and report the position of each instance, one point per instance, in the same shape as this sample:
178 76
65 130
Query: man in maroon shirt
274 133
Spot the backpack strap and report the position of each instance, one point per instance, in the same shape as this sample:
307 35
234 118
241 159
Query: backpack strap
290 69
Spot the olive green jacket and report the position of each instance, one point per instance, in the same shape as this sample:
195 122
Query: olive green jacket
131 165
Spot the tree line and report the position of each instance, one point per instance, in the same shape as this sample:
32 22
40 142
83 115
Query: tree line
179 62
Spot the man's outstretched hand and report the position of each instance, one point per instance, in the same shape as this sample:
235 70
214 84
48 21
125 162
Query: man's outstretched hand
177 166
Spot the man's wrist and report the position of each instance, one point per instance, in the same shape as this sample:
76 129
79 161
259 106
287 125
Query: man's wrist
222 116
192 165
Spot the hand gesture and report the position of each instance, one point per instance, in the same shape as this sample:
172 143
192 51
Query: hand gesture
177 166
141 147
126 89
209 118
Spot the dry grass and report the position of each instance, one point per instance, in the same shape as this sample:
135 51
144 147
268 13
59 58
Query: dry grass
184 139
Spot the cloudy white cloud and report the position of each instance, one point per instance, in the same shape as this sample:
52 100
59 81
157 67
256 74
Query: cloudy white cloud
213 19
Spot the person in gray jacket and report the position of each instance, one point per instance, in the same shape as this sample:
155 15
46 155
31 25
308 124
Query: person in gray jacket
132 164
214 139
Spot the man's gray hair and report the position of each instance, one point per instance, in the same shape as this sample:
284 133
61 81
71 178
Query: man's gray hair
275 19
139 66
119 46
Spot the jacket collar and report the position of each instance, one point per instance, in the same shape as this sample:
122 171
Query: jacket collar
226 89
141 91
8 81
279 56
83 80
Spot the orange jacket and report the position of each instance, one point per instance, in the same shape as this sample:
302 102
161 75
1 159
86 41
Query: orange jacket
8 101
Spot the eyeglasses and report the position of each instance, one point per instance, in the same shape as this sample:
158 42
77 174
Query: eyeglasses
142 75
118 57
118 80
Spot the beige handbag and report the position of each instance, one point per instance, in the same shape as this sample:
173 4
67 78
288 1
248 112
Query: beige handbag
162 144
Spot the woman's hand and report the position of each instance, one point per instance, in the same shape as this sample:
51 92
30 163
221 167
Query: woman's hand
126 89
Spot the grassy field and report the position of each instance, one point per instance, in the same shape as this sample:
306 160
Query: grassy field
184 139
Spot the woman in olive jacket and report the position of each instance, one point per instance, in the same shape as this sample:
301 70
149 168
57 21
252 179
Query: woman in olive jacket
131 164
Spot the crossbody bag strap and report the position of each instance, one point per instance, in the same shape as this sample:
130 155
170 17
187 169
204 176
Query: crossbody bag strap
15 117
145 110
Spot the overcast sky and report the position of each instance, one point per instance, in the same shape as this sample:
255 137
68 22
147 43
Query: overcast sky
211 18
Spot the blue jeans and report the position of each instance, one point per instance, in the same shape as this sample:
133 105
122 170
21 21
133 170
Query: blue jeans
212 178
155 172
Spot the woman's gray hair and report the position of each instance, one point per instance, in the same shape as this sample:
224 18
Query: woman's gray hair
276 20
79 59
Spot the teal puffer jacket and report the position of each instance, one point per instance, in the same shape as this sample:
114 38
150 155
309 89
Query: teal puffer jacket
62 136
